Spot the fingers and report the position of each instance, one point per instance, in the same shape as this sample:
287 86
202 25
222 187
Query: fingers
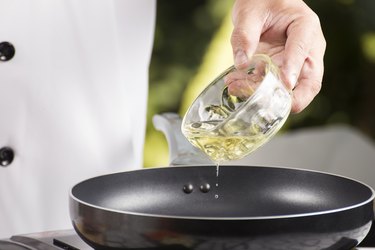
303 65
304 94
303 36
309 83
240 89
248 24
287 30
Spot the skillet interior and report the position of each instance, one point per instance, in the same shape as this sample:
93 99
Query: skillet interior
243 191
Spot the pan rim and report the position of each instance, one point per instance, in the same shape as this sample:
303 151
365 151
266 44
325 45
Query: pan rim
289 216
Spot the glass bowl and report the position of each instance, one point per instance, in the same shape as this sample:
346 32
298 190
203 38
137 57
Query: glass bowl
239 111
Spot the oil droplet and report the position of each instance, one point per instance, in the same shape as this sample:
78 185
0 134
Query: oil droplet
217 179
188 188
205 187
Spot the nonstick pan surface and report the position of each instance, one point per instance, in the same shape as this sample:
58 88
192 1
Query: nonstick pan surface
191 207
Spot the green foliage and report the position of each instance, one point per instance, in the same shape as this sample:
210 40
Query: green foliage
183 32
348 91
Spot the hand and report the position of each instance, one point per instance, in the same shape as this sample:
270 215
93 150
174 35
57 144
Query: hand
290 33
241 84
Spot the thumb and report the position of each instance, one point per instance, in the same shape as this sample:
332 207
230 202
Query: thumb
248 26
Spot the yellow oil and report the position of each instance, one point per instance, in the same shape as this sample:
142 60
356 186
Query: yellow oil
224 143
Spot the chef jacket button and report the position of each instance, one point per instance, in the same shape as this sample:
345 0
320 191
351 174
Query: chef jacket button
6 156
7 51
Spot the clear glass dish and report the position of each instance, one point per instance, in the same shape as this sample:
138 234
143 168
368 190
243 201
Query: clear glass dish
239 111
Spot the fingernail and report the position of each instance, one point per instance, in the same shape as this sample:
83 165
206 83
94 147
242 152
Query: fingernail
293 80
240 58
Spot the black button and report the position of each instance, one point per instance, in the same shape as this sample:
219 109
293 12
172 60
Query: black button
6 156
7 51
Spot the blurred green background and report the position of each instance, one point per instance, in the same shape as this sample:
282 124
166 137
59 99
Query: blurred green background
192 46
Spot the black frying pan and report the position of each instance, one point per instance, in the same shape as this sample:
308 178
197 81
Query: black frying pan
257 208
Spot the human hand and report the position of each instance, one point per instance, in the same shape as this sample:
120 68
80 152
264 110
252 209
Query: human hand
290 33
242 84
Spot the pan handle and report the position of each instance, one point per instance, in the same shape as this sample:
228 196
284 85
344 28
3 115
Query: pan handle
181 151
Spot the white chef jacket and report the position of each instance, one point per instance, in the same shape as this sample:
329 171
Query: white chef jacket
72 100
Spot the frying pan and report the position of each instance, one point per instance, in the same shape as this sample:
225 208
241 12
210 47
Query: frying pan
252 207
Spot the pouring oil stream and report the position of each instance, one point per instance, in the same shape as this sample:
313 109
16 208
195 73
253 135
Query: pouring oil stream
217 180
